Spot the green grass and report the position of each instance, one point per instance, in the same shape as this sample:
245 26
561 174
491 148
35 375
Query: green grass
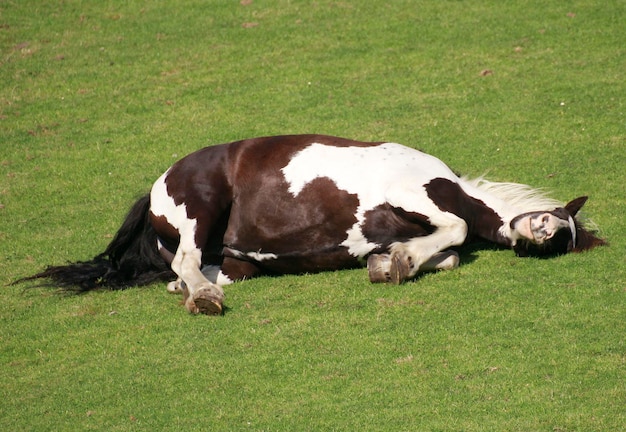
97 99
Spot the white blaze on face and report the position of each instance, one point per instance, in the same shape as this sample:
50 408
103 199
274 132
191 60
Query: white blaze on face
539 227
161 204
369 173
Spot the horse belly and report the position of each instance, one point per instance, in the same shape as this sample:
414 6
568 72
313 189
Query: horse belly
292 234
298 261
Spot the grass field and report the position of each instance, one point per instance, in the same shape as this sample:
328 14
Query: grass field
97 99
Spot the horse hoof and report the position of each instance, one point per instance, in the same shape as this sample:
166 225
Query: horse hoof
384 268
378 266
399 269
175 287
206 302
451 262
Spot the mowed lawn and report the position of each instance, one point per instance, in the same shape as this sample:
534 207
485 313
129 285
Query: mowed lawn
97 99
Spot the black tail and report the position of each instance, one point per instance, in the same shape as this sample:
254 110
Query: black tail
131 259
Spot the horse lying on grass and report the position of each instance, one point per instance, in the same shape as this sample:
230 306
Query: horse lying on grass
308 203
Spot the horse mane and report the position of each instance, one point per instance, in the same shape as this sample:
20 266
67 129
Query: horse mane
521 196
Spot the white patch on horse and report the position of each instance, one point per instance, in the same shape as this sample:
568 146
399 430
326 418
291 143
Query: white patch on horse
257 256
377 174
162 204
214 274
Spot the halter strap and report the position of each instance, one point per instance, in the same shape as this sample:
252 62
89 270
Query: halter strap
572 227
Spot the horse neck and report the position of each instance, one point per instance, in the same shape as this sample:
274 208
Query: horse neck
494 205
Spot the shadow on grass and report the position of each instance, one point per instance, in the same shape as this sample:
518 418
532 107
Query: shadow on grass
467 254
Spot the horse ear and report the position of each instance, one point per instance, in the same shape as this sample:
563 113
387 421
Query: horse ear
575 205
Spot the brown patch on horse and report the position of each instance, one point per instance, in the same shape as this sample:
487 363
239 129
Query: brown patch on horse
386 224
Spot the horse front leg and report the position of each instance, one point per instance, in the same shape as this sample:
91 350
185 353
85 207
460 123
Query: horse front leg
445 260
393 269
406 259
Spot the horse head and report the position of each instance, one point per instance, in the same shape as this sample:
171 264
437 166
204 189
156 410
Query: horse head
553 232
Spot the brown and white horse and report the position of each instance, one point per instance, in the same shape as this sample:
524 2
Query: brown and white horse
307 203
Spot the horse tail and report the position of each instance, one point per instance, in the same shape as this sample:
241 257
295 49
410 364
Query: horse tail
131 259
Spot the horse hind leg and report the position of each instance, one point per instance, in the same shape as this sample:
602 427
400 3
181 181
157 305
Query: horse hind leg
176 286
205 295
200 295
203 301
213 273
193 220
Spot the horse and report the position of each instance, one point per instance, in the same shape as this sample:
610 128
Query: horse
309 203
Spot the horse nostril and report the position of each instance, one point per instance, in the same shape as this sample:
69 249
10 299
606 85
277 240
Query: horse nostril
545 219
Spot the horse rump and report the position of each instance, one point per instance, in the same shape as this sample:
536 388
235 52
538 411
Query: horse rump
131 259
